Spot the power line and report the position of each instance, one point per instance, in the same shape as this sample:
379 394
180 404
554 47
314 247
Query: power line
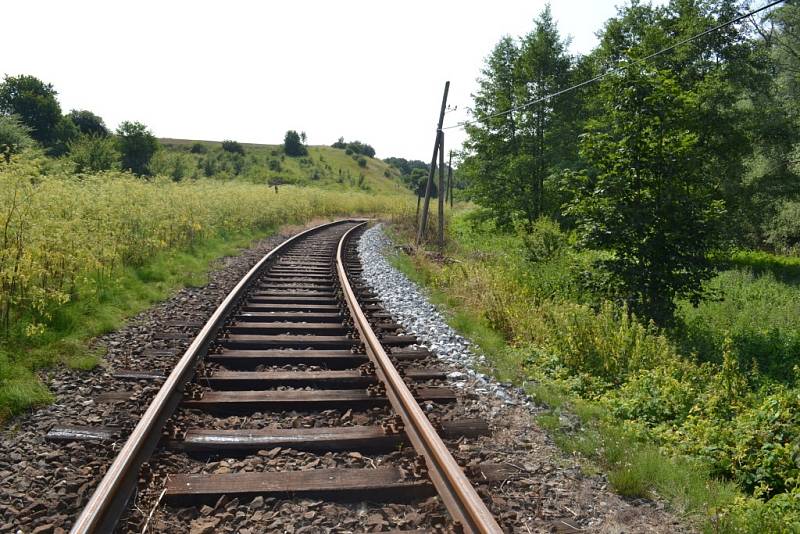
617 68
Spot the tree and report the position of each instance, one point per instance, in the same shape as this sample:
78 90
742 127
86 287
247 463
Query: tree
94 153
137 145
234 147
292 144
88 123
199 148
14 136
648 198
520 136
34 102
65 133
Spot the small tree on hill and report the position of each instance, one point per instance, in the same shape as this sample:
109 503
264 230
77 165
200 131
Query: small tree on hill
648 198
292 145
89 123
199 148
234 147
137 145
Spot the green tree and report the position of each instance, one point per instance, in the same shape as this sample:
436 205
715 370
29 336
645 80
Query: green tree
293 145
34 102
512 155
65 133
234 147
648 199
89 123
14 136
94 153
137 145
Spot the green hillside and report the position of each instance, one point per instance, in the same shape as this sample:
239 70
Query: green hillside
324 166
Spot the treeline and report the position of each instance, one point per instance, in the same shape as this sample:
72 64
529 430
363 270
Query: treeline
30 116
663 160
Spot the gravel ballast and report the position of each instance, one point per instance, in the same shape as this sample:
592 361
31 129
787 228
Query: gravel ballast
550 493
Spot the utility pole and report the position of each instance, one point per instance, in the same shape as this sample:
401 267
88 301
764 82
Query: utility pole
442 192
424 222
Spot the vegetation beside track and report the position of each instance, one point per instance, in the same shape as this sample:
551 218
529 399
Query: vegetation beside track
703 414
81 252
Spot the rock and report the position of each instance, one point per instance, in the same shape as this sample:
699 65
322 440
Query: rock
204 525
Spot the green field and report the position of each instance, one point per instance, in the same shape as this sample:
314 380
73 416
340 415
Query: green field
324 167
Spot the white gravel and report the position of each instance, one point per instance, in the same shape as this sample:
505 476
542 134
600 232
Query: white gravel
407 303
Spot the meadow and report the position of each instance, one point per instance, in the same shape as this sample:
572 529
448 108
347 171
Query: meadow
81 252
323 167
703 414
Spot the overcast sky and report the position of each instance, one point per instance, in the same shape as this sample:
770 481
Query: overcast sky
248 71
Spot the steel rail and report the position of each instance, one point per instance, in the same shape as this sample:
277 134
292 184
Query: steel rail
460 498
110 497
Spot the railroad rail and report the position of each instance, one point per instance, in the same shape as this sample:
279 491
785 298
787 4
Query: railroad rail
303 302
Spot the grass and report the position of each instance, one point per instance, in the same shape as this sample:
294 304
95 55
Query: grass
588 366
324 167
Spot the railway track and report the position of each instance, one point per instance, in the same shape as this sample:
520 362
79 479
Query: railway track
300 334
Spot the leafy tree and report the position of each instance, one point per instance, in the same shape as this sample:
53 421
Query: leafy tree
648 199
199 148
14 136
65 133
234 147
340 143
34 102
292 144
88 123
94 153
137 144
512 156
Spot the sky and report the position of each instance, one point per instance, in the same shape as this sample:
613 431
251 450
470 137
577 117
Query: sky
250 71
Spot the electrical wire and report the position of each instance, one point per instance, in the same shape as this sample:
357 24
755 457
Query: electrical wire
617 68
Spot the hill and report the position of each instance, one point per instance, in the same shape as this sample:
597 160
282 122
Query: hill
324 166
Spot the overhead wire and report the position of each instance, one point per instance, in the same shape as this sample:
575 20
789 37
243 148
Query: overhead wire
618 67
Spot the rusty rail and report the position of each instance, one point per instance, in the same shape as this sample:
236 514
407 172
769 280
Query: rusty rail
457 493
110 497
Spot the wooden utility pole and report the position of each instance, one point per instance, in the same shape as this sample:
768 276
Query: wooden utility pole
425 206
450 179
442 192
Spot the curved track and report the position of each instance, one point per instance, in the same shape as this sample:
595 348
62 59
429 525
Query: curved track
304 306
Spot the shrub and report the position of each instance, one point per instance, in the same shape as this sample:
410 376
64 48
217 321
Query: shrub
274 165
362 162
348 151
234 147
199 148
544 240
94 153
14 136
783 231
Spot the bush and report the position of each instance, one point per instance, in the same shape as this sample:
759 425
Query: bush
94 153
137 145
199 148
234 147
274 165
544 240
362 162
348 151
14 136
783 231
